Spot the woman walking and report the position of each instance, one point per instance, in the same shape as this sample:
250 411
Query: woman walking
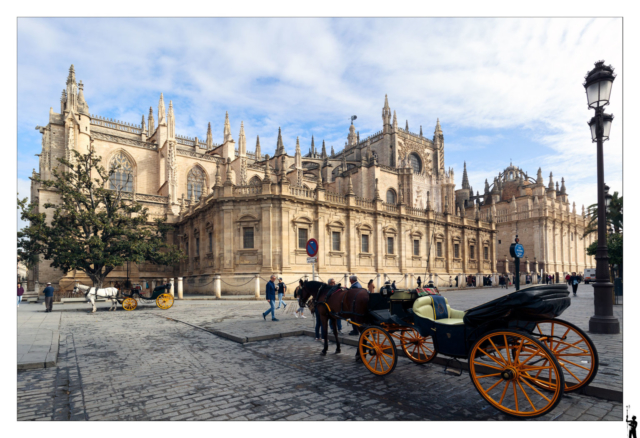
282 288
372 287
20 293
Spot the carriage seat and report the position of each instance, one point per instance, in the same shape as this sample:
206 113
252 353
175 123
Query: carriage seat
423 307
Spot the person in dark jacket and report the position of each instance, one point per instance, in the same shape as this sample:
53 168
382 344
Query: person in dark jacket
48 297
20 293
419 281
574 280
271 298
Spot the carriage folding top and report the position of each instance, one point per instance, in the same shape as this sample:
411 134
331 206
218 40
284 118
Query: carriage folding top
528 304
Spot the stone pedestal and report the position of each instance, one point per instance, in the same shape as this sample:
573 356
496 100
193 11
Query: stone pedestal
378 285
257 287
479 280
180 289
411 281
173 288
406 281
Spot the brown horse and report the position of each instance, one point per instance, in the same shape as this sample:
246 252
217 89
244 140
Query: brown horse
346 303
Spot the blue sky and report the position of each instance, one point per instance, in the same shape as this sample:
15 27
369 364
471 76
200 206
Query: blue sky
502 88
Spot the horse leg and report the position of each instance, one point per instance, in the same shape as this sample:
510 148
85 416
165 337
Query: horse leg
93 303
325 335
334 327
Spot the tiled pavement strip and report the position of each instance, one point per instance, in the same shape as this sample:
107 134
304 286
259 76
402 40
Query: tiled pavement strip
134 365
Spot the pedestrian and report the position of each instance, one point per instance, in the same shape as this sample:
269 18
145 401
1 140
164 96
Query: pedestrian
372 287
633 424
528 279
456 280
574 280
296 294
419 281
20 293
354 282
48 297
282 288
567 278
271 299
393 285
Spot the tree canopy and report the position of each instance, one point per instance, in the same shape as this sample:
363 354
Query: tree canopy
613 216
92 228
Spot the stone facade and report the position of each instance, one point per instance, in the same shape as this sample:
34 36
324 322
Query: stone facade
383 205
547 225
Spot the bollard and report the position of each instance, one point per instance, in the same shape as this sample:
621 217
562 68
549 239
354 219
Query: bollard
346 280
257 287
216 286
173 290
180 290
406 281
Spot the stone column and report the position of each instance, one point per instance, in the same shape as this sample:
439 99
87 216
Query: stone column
180 290
173 288
378 285
346 280
411 281
435 283
153 285
257 287
406 281
479 280
217 286
37 287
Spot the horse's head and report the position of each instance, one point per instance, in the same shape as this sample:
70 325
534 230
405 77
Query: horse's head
309 294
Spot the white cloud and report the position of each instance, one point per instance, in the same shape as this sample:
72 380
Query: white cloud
309 75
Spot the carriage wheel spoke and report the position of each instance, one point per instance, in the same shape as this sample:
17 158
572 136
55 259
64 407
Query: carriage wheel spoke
488 375
539 393
542 382
525 394
575 364
385 361
498 351
515 395
569 371
488 366
494 385
504 391
508 350
495 359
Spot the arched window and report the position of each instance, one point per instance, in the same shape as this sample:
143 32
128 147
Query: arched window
415 162
195 183
122 177
255 181
391 197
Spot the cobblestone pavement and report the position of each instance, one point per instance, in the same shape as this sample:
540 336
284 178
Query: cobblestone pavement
137 366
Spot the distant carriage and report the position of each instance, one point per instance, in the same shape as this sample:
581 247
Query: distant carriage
161 295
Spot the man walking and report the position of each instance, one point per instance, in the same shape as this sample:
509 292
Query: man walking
281 291
48 297
20 293
354 285
574 280
296 294
332 283
271 298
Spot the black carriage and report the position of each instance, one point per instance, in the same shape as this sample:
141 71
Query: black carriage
161 295
521 357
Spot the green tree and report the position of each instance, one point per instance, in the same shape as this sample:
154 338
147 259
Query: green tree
614 216
614 245
92 228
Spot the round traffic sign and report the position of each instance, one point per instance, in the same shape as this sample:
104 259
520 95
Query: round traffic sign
519 250
312 247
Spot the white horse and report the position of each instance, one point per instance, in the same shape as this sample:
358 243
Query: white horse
91 293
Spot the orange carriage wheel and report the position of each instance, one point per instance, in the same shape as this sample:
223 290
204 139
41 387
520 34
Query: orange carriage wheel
129 304
377 350
417 348
503 365
574 350
164 301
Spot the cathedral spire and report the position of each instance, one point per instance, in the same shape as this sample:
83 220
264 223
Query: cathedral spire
438 130
539 179
406 127
395 121
279 145
143 126
324 151
161 111
563 189
242 141
313 148
386 114
152 123
227 128
551 181
82 104
420 130
333 154
209 137
465 178
258 152
171 121
298 156
72 91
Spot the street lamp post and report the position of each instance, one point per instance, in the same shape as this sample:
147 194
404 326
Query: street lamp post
598 83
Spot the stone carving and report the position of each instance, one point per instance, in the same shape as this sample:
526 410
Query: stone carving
122 140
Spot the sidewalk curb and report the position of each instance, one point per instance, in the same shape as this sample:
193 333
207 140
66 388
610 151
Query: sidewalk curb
51 358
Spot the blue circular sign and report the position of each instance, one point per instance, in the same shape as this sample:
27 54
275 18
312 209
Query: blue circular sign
312 247
519 250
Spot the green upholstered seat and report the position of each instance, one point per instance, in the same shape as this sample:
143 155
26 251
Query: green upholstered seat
423 307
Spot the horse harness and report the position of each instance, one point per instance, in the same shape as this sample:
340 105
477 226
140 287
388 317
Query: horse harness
342 311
